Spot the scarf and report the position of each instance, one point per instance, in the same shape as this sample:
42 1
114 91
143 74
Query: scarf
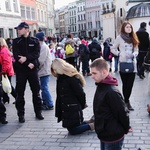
126 38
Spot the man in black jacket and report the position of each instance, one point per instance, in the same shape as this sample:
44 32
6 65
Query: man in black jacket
95 50
26 52
143 37
110 111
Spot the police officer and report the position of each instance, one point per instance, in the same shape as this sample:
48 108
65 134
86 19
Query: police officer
26 52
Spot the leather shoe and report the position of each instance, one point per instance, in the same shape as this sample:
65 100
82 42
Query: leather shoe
3 121
39 116
21 119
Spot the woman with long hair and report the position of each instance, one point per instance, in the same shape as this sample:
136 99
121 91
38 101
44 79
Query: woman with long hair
127 42
71 98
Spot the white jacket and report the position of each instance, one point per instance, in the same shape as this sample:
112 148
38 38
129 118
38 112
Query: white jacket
124 47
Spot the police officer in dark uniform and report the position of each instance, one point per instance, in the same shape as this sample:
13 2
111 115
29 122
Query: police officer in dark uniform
26 52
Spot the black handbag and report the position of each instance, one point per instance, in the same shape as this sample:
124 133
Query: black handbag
126 67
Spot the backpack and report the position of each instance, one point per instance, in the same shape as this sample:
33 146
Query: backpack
146 62
69 49
58 54
94 50
82 51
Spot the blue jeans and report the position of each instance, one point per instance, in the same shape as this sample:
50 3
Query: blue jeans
85 66
79 129
112 146
46 96
116 59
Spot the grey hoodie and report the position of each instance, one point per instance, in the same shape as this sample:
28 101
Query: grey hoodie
45 60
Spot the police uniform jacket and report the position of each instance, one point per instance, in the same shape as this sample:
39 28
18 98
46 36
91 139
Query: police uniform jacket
28 47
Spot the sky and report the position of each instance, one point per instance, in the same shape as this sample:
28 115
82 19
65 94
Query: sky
60 3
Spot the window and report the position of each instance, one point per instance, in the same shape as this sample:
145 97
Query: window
45 17
42 15
23 12
79 27
85 26
1 32
33 13
10 33
28 13
38 15
78 18
15 4
7 5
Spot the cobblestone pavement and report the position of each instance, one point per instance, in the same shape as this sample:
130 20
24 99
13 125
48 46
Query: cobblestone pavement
49 135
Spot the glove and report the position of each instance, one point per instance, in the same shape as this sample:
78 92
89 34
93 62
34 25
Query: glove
4 73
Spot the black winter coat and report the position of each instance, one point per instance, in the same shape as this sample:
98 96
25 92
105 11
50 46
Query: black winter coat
28 47
143 37
106 52
111 116
83 52
70 101
95 45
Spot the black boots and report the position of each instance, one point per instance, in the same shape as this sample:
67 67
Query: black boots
129 106
39 116
3 120
21 119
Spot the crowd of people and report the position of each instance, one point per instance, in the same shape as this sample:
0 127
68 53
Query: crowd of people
35 59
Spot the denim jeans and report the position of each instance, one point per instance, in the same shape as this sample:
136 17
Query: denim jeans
85 66
79 129
116 59
46 96
112 146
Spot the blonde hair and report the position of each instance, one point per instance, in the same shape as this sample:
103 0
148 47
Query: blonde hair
60 67
3 42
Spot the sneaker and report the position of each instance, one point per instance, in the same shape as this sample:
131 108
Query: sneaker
92 127
44 107
50 107
91 120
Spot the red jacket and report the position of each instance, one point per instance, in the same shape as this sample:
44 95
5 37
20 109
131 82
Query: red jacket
6 61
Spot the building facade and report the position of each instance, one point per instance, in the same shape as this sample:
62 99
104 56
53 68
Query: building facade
9 18
81 18
50 18
28 14
93 18
72 10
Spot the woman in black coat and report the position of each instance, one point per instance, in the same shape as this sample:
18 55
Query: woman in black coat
70 99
